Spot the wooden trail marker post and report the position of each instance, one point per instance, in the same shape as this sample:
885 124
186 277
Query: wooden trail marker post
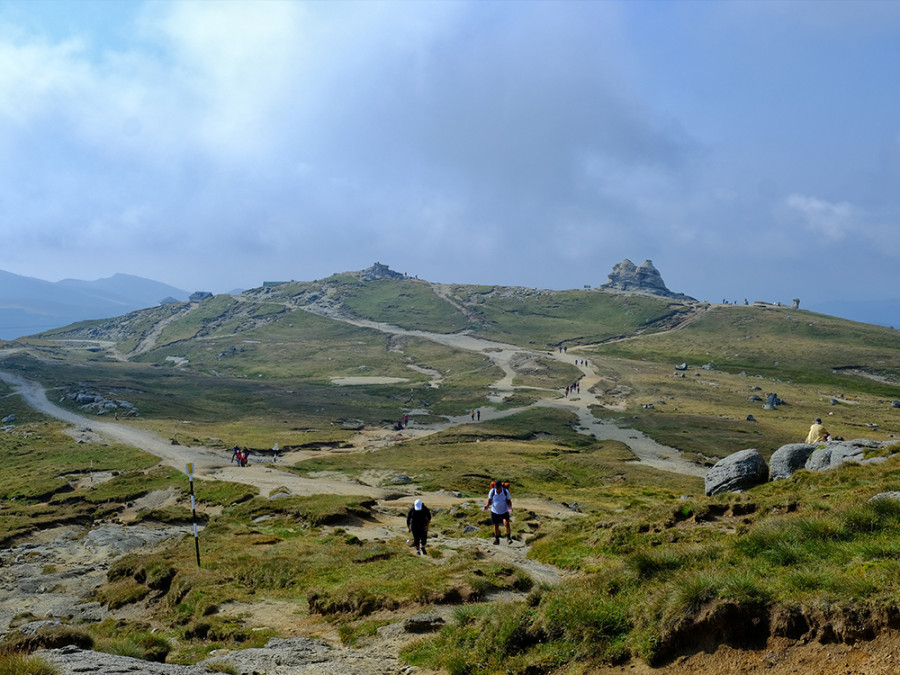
190 473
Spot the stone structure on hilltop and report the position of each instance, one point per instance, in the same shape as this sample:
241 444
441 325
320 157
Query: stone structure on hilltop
643 278
379 271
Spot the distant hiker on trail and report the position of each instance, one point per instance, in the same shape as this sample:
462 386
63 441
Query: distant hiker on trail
406 420
478 415
234 453
417 521
500 504
817 433
274 453
473 415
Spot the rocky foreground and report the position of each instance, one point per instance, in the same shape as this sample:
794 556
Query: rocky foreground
293 656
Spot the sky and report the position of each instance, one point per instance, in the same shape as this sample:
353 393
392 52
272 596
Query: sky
751 150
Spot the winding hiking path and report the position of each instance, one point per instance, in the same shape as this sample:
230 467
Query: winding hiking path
504 356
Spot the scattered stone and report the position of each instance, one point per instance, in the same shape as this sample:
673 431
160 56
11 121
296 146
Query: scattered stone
886 495
756 399
751 418
681 366
9 419
737 472
772 401
401 480
423 623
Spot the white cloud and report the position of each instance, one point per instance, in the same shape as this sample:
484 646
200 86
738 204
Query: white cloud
828 220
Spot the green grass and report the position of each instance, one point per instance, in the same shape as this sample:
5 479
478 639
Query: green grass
646 572
537 450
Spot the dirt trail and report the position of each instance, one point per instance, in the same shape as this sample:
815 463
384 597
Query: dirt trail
504 356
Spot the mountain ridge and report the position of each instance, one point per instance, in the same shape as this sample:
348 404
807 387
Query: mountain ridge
29 305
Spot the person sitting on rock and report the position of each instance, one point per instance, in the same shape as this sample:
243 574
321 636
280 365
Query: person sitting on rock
817 433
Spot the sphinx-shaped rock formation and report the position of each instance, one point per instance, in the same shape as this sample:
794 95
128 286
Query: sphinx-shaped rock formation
643 278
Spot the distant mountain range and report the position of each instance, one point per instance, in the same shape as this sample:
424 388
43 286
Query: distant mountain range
29 305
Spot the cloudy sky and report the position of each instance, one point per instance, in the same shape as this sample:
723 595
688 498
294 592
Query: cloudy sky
749 149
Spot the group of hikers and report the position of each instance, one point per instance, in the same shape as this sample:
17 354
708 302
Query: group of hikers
499 501
240 455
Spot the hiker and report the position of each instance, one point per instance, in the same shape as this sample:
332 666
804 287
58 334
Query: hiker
234 453
473 415
817 433
417 521
478 415
500 504
275 453
406 420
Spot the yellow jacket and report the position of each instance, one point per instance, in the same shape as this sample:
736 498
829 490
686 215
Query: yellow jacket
817 434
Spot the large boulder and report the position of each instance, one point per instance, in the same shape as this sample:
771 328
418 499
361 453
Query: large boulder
789 458
820 458
737 472
836 453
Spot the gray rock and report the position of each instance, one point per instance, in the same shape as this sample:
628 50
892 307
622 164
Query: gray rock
401 480
73 660
644 278
423 623
681 366
739 471
8 419
756 399
789 458
820 459
895 404
294 656
751 418
772 401
886 495
844 453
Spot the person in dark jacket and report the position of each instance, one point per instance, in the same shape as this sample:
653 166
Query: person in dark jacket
417 521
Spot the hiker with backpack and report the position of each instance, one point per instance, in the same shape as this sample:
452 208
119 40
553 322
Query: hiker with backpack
417 521
500 504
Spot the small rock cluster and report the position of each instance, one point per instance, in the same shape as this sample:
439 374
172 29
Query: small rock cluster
747 468
99 404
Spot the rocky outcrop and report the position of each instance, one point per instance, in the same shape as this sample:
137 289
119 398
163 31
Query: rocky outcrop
747 468
293 656
737 472
379 271
643 278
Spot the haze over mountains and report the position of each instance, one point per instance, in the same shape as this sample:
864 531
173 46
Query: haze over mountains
29 305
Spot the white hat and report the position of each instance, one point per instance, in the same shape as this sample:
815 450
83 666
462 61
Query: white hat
418 505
